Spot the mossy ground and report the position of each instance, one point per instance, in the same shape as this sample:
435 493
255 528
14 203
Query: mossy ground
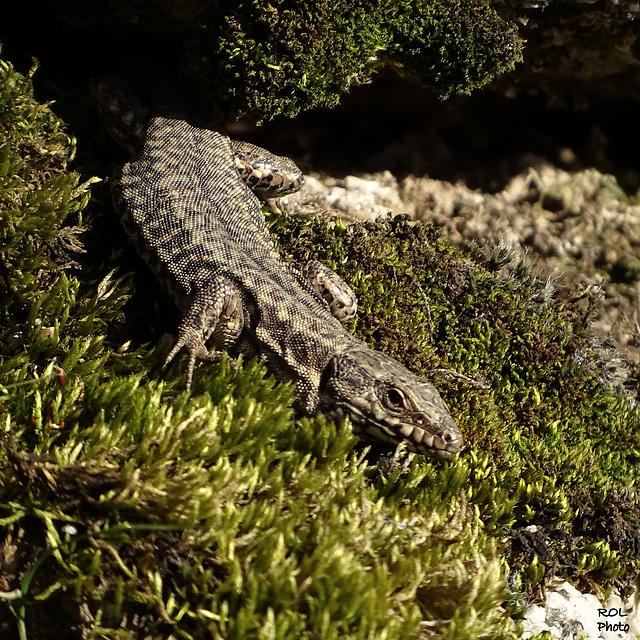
136 509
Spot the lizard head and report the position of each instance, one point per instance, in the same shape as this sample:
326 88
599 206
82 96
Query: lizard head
388 403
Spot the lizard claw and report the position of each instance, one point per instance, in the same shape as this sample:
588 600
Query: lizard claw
198 351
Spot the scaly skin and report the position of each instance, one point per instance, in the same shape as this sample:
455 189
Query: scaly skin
201 231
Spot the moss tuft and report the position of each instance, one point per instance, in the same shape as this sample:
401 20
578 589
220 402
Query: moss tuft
453 48
284 57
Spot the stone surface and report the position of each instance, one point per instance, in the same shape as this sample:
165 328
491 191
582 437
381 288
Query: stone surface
579 228
567 614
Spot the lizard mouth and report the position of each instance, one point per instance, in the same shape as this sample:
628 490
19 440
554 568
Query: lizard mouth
442 445
419 440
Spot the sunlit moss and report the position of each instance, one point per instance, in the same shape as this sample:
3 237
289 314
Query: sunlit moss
140 509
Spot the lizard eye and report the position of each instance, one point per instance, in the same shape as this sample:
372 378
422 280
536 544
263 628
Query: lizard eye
394 399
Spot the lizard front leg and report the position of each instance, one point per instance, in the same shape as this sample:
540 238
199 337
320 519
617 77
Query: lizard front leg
214 311
340 299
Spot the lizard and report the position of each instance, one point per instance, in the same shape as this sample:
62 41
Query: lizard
186 204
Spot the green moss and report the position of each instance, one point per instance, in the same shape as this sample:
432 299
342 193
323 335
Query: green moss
453 47
264 58
284 57
211 520
549 414
36 193
140 509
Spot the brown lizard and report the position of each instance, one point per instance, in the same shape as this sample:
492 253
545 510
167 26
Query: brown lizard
186 205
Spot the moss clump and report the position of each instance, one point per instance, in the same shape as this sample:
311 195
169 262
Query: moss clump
265 59
290 56
262 58
36 191
554 408
453 48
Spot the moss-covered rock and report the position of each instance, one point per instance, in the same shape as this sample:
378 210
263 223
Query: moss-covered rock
293 56
138 509
452 47
555 407
262 58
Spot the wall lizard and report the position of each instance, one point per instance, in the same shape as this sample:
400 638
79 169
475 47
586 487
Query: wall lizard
185 203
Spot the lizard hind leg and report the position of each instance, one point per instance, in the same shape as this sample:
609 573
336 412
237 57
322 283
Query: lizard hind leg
214 310
340 299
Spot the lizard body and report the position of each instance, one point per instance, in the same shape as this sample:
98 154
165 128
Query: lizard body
199 227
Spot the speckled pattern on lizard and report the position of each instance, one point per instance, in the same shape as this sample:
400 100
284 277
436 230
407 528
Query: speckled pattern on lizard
186 206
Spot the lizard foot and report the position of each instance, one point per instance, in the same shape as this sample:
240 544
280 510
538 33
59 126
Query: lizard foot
214 312
340 299
197 351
